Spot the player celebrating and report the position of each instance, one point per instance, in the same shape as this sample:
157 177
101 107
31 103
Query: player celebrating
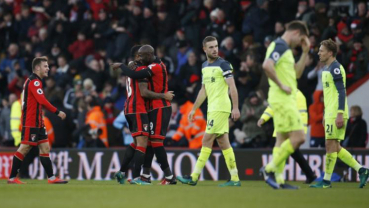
217 79
297 155
138 121
335 115
159 109
33 127
280 67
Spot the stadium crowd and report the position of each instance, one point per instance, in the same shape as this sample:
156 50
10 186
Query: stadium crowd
82 37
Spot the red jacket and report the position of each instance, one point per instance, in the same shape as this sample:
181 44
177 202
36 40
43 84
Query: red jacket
316 115
81 48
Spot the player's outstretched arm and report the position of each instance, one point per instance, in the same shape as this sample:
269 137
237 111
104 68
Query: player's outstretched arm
234 96
300 65
199 100
269 69
146 93
142 74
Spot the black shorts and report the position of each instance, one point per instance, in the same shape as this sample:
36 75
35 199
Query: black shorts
159 121
34 136
138 124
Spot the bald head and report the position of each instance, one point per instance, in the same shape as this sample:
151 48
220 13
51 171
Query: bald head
146 49
146 53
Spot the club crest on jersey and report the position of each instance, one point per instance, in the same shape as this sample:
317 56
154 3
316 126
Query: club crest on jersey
275 56
33 137
37 83
145 127
336 71
39 91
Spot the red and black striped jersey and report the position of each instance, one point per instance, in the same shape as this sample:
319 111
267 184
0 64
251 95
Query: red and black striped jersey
135 103
158 82
33 99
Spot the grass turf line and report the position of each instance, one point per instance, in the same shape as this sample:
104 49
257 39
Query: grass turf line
91 194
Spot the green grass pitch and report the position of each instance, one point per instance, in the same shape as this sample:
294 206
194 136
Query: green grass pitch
91 194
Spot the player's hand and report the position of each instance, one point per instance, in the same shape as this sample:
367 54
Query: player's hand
115 65
286 89
323 122
62 115
235 114
168 95
305 44
260 122
190 115
339 120
132 65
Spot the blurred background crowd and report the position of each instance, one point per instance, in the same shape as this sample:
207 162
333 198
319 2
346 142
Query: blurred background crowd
81 38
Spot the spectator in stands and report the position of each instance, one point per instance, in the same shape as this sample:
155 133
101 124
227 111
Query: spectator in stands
236 35
278 29
182 54
192 132
357 61
95 73
214 28
8 63
168 62
81 47
16 85
191 76
121 123
229 50
97 132
23 22
53 93
303 12
356 131
5 131
316 111
63 65
110 113
248 78
8 31
258 21
173 122
252 109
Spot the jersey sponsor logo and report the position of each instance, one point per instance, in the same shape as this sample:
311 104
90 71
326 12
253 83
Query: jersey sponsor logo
336 71
39 91
37 83
275 56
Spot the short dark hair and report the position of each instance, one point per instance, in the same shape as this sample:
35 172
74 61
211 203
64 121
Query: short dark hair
37 61
208 39
134 50
298 25
330 45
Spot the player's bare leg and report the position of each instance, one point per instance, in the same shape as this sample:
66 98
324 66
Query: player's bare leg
17 162
46 163
230 159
